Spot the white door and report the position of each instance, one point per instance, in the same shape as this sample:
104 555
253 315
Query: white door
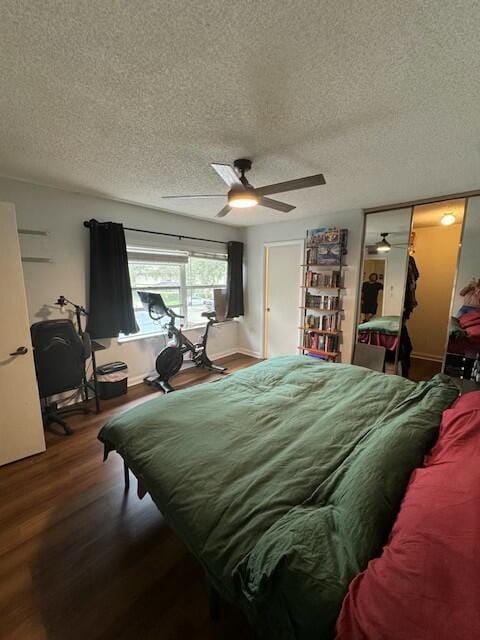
21 430
282 298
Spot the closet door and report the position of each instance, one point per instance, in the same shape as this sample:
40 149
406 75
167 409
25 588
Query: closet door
464 343
469 262
382 290
21 429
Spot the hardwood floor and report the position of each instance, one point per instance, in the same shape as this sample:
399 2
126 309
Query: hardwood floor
80 559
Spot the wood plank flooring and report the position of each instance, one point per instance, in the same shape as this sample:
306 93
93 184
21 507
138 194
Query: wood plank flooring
82 560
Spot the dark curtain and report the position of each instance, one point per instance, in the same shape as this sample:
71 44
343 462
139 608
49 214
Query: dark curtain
235 280
111 308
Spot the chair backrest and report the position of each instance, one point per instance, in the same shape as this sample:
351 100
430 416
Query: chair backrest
59 355
370 356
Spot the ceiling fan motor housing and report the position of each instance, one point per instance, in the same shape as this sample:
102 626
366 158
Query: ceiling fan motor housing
243 165
242 194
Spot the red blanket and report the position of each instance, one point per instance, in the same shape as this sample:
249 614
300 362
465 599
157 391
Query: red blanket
379 338
426 584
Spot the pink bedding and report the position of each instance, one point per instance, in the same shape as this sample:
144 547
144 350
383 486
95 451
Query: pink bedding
387 340
426 584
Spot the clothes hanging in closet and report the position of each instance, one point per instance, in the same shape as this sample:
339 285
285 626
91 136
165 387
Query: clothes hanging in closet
405 351
410 288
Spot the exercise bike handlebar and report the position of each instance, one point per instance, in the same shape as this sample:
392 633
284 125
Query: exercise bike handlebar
155 306
172 314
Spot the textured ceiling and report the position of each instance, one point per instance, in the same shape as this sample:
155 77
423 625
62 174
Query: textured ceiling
133 100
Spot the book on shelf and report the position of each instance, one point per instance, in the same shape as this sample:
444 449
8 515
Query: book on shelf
318 356
328 303
322 279
328 322
320 342
326 246
324 235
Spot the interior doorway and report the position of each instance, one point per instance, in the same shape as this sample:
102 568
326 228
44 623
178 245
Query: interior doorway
374 269
282 298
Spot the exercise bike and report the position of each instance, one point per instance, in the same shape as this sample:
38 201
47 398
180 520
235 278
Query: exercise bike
170 359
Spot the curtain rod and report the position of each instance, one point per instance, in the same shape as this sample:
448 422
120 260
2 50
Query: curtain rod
87 224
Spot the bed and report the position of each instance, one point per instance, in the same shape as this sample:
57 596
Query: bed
388 332
426 584
383 331
283 479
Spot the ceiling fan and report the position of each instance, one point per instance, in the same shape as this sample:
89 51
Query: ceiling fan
242 194
384 246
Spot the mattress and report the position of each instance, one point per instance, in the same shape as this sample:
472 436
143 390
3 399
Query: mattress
283 479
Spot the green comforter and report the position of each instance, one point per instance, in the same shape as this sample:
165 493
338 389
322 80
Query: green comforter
283 479
383 324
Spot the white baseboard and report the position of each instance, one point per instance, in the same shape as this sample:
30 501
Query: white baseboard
426 356
249 352
134 380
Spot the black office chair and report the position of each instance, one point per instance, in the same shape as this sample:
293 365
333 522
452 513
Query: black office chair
60 354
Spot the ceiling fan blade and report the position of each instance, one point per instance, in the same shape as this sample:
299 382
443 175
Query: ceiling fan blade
203 195
223 212
227 174
292 185
275 204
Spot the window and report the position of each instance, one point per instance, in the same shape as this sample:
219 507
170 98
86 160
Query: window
186 282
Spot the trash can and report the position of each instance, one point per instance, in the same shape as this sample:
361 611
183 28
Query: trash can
112 380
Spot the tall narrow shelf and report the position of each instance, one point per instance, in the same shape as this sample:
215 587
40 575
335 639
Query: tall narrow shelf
322 287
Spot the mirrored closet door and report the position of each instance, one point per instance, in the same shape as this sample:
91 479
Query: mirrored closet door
419 311
435 241
462 356
383 293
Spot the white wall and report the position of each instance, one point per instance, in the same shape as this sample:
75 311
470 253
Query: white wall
62 215
256 237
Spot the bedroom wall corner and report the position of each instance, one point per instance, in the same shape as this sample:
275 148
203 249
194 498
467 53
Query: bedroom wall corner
62 214
251 327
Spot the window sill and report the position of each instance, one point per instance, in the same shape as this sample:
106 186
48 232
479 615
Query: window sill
151 336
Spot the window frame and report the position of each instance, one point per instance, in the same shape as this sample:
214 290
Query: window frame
183 289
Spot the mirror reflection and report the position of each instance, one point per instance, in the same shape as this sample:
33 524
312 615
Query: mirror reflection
463 348
381 343
417 316
435 239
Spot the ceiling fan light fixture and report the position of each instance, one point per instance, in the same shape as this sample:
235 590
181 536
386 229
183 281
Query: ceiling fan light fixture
383 246
448 219
242 198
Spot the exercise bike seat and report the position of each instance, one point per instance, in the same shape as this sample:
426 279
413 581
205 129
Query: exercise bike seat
209 314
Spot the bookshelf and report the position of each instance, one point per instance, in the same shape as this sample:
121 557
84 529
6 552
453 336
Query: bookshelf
322 287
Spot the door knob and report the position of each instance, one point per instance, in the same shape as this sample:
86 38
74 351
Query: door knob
268 308
21 351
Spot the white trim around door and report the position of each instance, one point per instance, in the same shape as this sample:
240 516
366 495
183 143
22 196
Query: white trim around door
267 246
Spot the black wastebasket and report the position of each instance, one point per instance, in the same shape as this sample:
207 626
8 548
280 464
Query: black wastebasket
112 379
